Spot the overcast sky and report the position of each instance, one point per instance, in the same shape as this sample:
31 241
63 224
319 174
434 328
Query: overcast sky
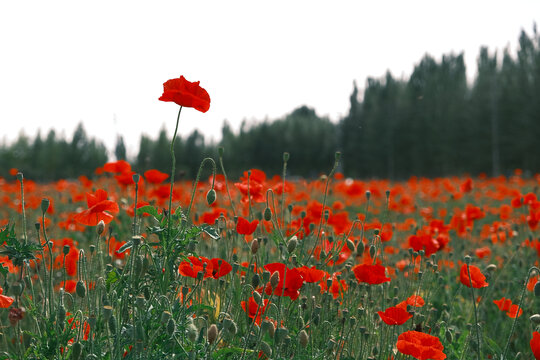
103 63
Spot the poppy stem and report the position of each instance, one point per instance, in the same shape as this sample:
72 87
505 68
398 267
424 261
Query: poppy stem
173 168
475 315
197 182
531 271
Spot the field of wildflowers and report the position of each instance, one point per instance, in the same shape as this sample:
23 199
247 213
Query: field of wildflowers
124 265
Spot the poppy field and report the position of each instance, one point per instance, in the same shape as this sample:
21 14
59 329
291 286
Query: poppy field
139 266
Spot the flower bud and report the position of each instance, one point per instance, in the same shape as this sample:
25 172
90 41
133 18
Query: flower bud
267 214
210 197
100 227
80 289
257 297
291 245
255 280
136 178
220 151
537 289
171 327
65 249
192 332
45 205
303 338
107 312
286 156
254 246
212 333
535 319
274 280
350 245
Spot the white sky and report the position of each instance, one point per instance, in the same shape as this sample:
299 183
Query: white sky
104 62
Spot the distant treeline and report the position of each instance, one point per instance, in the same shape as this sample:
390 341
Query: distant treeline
432 124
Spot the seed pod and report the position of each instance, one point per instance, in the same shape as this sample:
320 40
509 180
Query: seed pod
65 249
303 338
107 312
80 289
210 197
212 333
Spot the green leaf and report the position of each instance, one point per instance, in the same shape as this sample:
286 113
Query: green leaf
210 231
148 209
126 246
112 277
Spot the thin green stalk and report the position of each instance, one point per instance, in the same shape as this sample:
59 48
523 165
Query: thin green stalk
197 182
226 180
475 315
531 270
173 168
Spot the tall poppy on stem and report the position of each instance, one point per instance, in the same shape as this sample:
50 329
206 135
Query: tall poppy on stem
188 94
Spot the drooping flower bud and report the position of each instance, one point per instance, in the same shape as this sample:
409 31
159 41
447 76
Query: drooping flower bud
80 289
267 214
210 197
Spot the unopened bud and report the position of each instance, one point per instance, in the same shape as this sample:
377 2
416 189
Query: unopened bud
212 333
171 327
537 289
80 289
267 214
254 246
535 319
45 205
274 280
286 156
210 197
100 227
303 338
291 245
192 332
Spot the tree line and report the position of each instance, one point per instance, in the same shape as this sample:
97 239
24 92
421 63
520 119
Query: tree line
433 123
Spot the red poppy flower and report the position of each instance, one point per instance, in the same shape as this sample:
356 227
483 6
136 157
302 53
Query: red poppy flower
421 346
185 93
120 166
312 274
535 345
253 310
214 268
292 277
506 305
244 227
5 301
394 315
413 300
99 208
154 176
478 279
371 274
